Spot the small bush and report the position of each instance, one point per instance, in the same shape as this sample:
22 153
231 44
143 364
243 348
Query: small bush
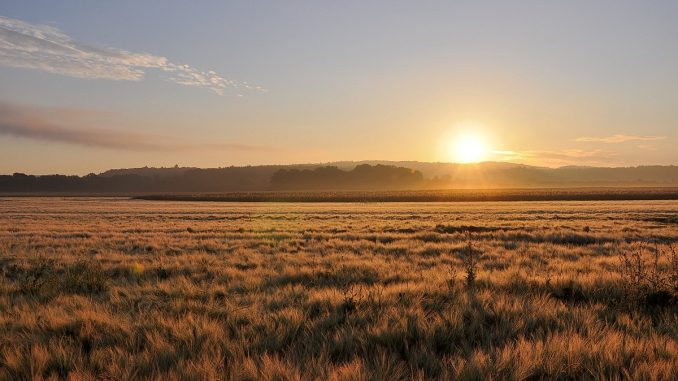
85 277
45 279
470 259
646 281
39 279
352 297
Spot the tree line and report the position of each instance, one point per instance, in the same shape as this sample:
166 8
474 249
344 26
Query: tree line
253 178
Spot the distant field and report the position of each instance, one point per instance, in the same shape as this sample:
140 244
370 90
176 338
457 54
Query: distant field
119 289
456 195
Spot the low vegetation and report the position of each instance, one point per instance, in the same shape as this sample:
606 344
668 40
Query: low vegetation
445 195
650 275
115 289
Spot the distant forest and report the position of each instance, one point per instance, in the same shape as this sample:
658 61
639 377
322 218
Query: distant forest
363 176
339 176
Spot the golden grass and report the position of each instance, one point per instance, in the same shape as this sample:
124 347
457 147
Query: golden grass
114 289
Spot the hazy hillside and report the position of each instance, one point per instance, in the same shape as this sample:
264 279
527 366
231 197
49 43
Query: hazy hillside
374 175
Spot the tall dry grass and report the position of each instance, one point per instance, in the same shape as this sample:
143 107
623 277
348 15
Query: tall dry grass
112 289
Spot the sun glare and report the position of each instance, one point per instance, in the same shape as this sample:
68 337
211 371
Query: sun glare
468 149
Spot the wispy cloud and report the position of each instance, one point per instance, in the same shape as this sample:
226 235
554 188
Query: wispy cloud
505 155
620 138
46 48
647 147
32 123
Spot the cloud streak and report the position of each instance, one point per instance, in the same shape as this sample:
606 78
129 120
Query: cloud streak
31 123
619 138
42 47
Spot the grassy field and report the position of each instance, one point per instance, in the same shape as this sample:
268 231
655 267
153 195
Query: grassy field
446 195
117 289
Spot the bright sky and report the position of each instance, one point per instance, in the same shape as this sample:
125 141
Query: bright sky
90 85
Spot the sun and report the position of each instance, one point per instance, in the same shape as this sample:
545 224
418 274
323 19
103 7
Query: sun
468 149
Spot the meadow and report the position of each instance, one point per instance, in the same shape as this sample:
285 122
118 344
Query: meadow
119 289
435 195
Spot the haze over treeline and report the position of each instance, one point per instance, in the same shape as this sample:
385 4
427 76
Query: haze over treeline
375 175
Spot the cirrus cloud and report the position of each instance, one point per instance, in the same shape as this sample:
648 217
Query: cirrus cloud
42 47
620 138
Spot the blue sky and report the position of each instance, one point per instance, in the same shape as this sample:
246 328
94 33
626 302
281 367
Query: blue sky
545 83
